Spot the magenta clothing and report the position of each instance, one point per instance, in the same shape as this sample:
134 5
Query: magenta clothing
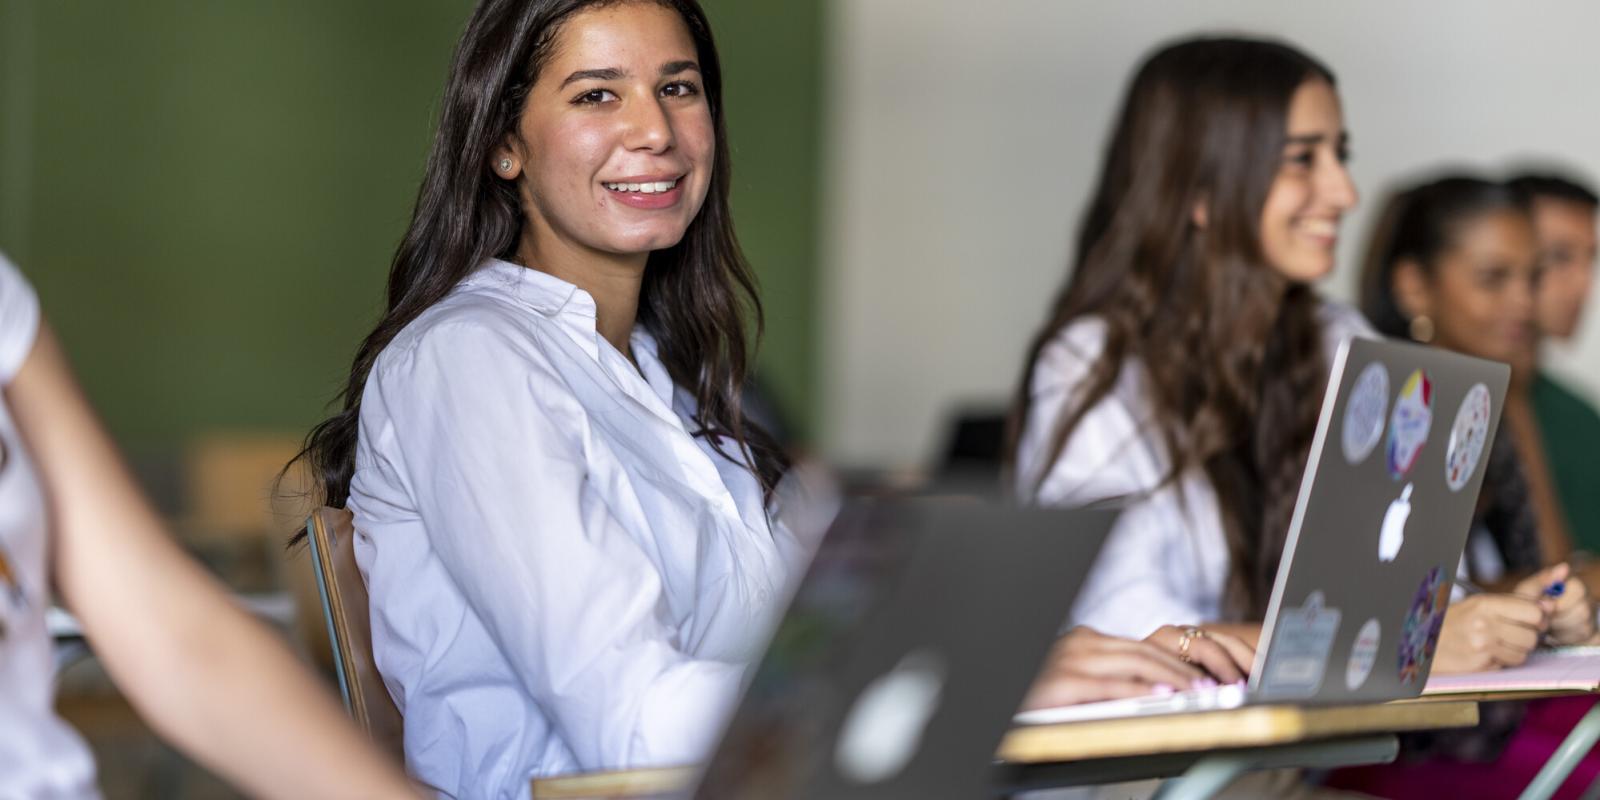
1547 723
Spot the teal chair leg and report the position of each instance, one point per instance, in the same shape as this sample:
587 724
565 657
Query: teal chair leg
1561 763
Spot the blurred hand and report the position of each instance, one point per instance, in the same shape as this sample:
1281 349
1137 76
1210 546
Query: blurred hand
1224 657
1571 612
1489 631
1086 665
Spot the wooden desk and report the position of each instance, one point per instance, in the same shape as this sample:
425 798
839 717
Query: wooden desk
1122 749
634 784
1253 726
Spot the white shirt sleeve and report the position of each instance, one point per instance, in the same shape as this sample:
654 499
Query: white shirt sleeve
1153 571
486 440
19 320
1157 567
1166 560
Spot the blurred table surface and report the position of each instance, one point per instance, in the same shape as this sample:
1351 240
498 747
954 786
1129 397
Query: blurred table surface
1131 745
274 607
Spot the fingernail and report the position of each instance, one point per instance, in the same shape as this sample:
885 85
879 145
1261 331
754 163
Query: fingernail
1203 683
1163 689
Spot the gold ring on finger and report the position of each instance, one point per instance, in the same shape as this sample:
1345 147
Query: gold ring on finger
1184 639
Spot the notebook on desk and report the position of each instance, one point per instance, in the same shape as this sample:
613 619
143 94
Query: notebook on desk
1574 669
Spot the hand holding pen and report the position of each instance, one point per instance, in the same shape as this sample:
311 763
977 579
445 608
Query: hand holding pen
1567 601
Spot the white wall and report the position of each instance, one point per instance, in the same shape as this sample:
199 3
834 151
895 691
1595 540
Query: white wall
963 138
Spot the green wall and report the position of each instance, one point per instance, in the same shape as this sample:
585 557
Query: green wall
207 193
772 64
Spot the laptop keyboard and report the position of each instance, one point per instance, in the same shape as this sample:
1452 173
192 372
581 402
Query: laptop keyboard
1213 699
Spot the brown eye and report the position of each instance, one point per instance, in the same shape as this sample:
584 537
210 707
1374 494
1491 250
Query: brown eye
680 89
593 97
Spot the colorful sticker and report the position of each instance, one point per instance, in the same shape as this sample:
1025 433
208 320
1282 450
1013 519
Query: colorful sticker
1393 533
1301 641
1363 654
1467 437
1364 411
1409 424
1419 635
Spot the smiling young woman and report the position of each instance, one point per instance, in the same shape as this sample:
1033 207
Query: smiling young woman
1181 368
562 510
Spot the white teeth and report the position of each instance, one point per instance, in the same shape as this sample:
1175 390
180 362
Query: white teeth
1320 227
649 187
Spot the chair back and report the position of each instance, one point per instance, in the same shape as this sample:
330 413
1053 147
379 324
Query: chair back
331 533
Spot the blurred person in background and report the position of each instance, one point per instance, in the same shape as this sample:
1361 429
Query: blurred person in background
207 676
1454 262
1564 424
1222 187
1182 369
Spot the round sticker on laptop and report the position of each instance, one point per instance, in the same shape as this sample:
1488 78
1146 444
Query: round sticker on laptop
1363 654
1409 424
1419 635
1467 437
1363 413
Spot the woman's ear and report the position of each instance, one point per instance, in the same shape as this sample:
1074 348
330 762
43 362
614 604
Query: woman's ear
505 162
1413 291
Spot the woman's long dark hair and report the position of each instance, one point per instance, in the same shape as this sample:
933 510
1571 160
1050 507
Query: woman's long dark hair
694 294
1417 225
1232 351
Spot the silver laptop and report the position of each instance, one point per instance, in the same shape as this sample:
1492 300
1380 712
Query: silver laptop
1389 492
905 651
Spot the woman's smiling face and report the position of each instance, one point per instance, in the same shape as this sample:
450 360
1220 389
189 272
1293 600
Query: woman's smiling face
615 145
1312 190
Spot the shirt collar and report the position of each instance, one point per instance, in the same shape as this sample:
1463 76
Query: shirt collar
540 291
555 298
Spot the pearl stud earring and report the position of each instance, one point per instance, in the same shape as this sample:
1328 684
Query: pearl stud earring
505 165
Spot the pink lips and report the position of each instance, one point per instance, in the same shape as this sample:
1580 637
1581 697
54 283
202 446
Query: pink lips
652 200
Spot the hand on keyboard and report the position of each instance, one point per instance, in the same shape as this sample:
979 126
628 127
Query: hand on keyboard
1086 665
1223 656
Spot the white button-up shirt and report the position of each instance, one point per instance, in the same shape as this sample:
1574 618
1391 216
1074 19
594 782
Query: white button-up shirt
40 757
1166 560
562 578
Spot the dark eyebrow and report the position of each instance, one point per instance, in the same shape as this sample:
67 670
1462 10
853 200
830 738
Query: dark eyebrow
606 74
1317 138
675 67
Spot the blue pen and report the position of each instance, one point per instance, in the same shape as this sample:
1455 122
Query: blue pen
1555 589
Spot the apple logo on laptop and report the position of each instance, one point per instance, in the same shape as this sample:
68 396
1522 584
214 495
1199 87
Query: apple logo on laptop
883 730
1393 533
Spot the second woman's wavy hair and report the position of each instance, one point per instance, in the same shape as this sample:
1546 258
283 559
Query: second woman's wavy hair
1231 350
694 294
